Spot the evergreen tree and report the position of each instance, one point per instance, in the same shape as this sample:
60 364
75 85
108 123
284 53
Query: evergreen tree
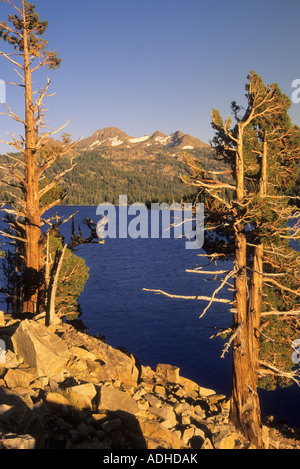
251 226
24 32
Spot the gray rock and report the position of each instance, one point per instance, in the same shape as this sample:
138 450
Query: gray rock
41 349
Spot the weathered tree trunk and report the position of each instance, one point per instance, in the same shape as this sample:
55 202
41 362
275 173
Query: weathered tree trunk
245 409
245 406
33 271
50 313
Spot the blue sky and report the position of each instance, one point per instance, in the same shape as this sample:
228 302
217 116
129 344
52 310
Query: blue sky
161 65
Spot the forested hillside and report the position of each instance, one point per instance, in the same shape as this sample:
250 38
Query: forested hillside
145 172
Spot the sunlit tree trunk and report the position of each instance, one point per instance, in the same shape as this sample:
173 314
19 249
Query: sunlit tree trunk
33 273
245 408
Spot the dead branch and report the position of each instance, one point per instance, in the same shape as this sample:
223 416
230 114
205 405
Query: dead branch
281 313
204 298
273 370
230 274
228 344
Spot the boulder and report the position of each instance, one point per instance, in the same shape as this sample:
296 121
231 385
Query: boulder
18 378
165 413
57 402
41 349
156 436
113 400
225 440
13 441
109 363
12 360
168 372
82 395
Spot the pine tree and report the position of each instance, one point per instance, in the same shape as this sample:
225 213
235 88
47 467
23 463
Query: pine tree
251 226
263 151
24 32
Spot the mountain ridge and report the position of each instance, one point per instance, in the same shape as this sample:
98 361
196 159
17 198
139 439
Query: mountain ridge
114 137
147 169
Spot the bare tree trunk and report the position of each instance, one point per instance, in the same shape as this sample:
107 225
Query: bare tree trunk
33 271
50 313
245 409
15 284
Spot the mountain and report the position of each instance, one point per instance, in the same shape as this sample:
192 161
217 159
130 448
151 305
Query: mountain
114 137
147 169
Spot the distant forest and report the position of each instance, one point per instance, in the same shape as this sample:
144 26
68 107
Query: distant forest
146 176
101 176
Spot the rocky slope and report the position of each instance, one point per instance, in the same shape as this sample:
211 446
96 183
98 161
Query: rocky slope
64 389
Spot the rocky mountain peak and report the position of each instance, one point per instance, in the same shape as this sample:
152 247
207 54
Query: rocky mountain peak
114 137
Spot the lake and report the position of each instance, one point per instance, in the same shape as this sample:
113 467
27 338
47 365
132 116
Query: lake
157 329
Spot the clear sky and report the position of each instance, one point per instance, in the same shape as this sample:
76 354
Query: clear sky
161 65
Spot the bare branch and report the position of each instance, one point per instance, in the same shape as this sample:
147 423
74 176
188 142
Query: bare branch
57 177
233 336
230 274
11 60
281 313
204 298
271 369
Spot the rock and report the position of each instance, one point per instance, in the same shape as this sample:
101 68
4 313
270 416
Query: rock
18 378
111 425
159 389
13 441
165 413
158 437
115 400
188 434
12 360
2 320
199 411
207 444
106 400
82 395
110 364
83 353
216 398
83 429
190 387
21 418
5 411
205 392
224 440
152 400
57 402
43 350
265 437
168 372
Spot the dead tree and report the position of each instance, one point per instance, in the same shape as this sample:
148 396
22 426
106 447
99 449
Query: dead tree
25 171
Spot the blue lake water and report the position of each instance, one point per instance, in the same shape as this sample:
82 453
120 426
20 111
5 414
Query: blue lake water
157 329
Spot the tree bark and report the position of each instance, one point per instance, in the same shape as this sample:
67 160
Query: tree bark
33 271
244 408
50 313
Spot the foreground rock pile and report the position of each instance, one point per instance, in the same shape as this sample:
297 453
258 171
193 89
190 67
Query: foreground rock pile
64 389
